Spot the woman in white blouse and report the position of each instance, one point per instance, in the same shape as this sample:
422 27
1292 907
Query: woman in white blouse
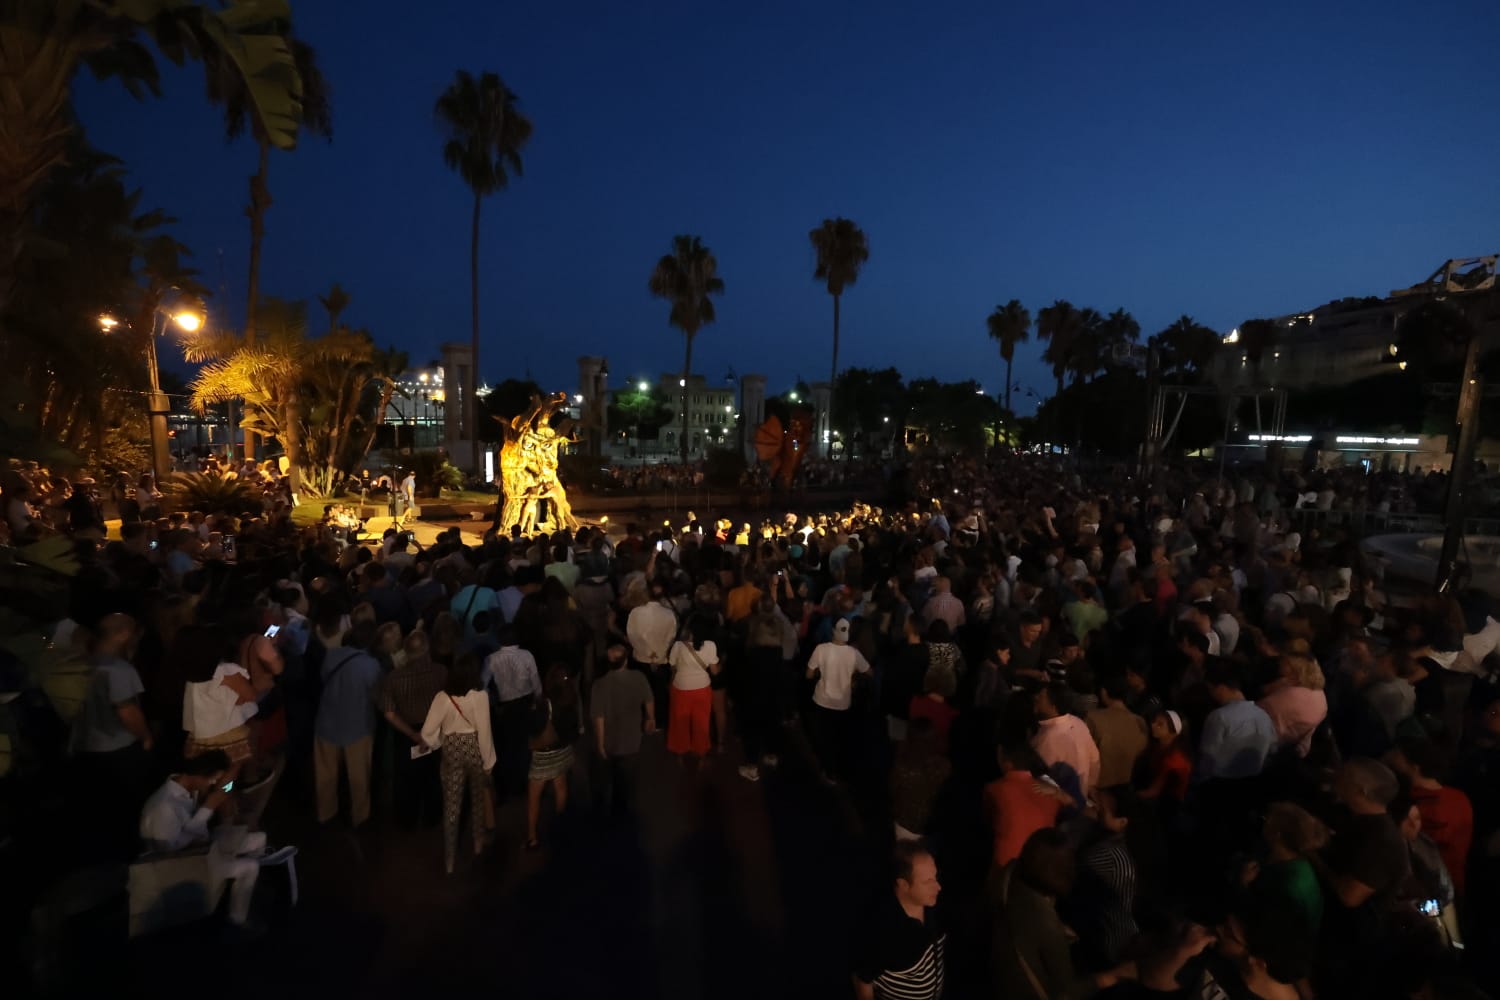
694 660
459 723
219 698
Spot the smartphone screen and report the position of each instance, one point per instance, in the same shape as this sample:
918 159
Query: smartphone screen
228 786
271 631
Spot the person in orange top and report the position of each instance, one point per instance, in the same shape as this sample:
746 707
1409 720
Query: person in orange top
1018 804
740 602
1447 814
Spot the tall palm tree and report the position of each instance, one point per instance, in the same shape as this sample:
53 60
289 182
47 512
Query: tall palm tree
1109 334
1009 325
241 114
842 249
52 40
1061 325
335 302
485 133
686 278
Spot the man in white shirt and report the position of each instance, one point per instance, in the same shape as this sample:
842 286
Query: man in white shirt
176 818
651 629
834 664
512 672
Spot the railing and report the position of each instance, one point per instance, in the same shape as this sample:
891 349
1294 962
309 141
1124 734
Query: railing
1363 523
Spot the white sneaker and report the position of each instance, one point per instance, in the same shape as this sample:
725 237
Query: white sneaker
750 772
770 760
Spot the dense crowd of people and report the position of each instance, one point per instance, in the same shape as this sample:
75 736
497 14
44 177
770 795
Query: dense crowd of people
1170 746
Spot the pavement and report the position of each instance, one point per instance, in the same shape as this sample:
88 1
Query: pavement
719 888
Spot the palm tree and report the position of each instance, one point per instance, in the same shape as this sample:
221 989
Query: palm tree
53 40
842 249
686 277
486 131
1009 325
264 376
1118 329
1186 346
241 114
310 394
335 302
1061 326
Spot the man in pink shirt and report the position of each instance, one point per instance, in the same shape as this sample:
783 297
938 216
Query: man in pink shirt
1063 739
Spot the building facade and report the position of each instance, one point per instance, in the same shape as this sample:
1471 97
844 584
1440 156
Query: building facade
415 413
712 420
1334 344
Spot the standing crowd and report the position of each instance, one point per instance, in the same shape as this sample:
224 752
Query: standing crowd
1121 740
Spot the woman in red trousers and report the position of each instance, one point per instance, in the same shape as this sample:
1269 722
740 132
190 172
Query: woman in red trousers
694 660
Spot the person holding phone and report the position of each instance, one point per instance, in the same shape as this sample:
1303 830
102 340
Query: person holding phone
176 818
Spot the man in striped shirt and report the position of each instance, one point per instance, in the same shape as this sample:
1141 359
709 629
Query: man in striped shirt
901 956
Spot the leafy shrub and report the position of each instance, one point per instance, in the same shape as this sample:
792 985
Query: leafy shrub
208 492
435 473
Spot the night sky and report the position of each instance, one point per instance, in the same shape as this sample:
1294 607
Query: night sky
1223 161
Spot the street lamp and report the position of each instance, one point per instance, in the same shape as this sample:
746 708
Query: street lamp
157 403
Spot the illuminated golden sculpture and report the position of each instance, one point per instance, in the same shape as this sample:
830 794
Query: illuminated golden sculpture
528 466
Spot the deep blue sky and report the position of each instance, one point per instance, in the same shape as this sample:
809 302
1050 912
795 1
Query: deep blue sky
1222 161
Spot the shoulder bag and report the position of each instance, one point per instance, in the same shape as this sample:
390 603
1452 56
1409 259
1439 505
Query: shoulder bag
699 660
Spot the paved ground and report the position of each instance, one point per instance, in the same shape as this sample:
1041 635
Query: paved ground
720 888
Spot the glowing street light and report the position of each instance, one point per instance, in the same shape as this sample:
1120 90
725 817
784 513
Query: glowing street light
188 322
642 386
108 322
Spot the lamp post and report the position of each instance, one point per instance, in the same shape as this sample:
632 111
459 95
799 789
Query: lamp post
158 405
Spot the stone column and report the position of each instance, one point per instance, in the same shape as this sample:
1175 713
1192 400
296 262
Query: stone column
822 398
752 412
459 411
593 412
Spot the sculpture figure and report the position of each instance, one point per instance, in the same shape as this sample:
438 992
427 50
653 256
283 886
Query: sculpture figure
528 466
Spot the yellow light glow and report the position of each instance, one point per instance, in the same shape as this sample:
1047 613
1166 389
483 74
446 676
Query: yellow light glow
188 321
424 376
108 322
1401 365
439 395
